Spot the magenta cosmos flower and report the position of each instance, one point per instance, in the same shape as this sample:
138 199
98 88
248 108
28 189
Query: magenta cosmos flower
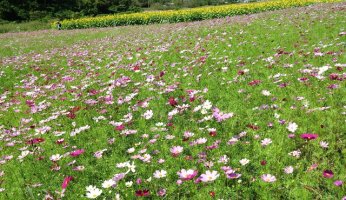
77 152
309 136
328 173
66 181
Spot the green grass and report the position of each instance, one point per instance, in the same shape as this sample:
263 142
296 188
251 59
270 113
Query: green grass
194 56
6 27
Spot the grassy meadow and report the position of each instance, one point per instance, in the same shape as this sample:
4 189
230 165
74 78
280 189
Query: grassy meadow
243 107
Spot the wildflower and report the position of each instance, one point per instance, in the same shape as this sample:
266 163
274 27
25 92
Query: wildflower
309 136
148 114
268 178
99 154
55 157
328 173
266 93
65 182
324 144
131 150
292 127
263 162
160 174
161 192
338 183
186 175
145 158
77 152
209 176
142 193
266 141
233 175
295 153
128 184
244 161
176 150
93 192
35 141
288 170
108 183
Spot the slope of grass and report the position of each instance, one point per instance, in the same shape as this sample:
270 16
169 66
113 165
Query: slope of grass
226 90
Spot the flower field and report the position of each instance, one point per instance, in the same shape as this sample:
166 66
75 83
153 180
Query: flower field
186 15
242 107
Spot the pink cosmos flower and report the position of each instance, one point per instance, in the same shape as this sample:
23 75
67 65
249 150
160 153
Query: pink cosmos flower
66 181
77 152
220 116
309 136
268 178
176 150
338 183
233 176
186 175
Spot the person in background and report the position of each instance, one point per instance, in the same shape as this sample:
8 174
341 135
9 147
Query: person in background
59 25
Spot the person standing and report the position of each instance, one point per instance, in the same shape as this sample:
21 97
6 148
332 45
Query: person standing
59 25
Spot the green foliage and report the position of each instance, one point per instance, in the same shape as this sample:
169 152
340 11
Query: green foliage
13 10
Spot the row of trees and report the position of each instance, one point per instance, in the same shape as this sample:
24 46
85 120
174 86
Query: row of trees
18 10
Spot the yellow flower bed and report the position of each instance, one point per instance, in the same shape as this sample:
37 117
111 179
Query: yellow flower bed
185 15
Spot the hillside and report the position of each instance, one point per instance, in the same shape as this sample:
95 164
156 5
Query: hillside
243 107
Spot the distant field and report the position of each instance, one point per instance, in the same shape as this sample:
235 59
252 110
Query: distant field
184 15
243 107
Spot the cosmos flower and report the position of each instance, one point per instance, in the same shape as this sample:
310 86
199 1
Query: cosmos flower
292 127
309 136
142 193
108 183
176 150
55 157
35 141
209 176
160 174
289 170
161 192
186 175
93 192
77 152
268 178
266 141
233 175
65 182
244 161
324 144
338 183
148 114
328 173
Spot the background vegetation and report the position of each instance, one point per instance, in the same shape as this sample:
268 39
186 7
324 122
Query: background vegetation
18 10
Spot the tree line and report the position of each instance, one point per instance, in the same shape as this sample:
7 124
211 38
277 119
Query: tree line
24 10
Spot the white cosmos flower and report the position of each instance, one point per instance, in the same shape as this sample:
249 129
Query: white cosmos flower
324 144
209 176
93 192
108 183
160 174
292 127
266 93
289 170
129 184
244 161
266 141
148 114
55 157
